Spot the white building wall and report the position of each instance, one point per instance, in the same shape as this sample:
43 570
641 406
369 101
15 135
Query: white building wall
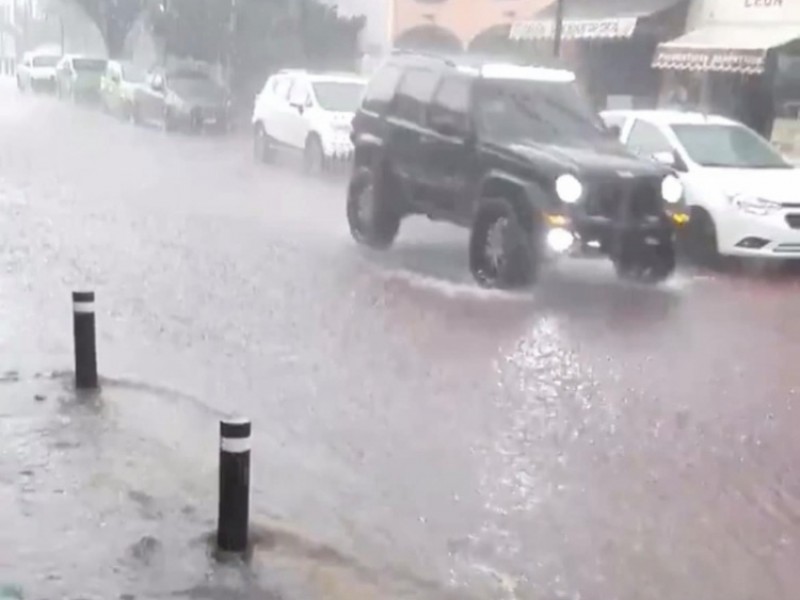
705 12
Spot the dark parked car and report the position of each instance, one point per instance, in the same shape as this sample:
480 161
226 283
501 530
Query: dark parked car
182 99
514 153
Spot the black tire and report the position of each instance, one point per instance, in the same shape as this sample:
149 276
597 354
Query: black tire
136 113
373 220
169 121
502 253
313 156
262 147
642 263
700 239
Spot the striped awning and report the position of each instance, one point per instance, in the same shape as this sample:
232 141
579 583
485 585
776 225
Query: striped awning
726 48
591 19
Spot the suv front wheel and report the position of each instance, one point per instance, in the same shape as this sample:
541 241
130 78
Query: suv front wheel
373 221
501 250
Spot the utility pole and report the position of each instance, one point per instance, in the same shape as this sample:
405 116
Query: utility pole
559 28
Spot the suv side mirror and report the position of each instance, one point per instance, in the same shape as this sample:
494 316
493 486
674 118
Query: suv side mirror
157 84
300 106
672 160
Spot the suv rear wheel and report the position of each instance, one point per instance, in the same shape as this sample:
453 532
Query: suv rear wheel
501 252
637 261
373 221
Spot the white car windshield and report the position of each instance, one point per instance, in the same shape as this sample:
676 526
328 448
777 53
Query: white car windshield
45 61
728 146
89 65
338 96
132 73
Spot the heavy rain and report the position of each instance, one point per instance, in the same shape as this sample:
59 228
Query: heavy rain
561 415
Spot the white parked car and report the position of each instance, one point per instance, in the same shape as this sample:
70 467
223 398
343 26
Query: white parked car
743 196
37 72
309 113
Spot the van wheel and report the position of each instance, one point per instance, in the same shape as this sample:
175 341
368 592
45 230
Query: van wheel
638 262
501 252
373 221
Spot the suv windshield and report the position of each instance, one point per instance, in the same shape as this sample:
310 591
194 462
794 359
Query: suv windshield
338 96
45 61
543 111
728 146
94 65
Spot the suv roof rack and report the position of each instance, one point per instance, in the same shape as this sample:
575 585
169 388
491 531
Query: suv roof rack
423 54
478 60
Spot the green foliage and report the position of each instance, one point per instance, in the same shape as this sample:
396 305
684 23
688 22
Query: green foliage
114 18
251 37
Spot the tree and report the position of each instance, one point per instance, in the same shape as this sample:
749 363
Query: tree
114 18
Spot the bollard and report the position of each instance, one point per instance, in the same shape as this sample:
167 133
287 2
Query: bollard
234 485
84 336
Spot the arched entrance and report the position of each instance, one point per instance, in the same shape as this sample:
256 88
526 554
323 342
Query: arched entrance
430 38
495 42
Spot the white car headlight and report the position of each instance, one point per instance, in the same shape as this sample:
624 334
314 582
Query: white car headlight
754 206
671 189
569 189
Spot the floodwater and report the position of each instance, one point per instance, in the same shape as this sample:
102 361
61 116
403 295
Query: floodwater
585 440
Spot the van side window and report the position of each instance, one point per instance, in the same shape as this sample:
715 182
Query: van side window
381 88
413 95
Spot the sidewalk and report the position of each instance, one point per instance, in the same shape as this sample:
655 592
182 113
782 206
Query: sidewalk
94 506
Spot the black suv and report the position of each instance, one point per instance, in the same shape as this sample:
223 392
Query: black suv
514 153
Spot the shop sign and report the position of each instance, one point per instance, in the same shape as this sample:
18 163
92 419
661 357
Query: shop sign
692 59
574 29
747 11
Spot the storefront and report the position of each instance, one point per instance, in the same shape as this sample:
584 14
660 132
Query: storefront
743 57
610 44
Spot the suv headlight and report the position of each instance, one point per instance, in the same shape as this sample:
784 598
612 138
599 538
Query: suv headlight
753 206
671 189
568 188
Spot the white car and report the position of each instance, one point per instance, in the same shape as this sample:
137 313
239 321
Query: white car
309 113
743 196
37 72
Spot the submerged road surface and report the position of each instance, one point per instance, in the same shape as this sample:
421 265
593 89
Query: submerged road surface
585 440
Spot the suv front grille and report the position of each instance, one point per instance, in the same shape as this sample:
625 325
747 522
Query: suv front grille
620 198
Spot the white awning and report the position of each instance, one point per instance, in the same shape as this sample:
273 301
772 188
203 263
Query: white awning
591 19
731 48
574 29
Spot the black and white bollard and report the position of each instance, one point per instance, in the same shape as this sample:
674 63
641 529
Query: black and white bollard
84 335
234 485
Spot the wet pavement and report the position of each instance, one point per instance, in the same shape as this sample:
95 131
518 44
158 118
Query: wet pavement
586 440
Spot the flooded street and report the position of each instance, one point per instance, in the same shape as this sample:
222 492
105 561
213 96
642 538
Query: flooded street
584 440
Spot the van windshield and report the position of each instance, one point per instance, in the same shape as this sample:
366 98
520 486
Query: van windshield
544 111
